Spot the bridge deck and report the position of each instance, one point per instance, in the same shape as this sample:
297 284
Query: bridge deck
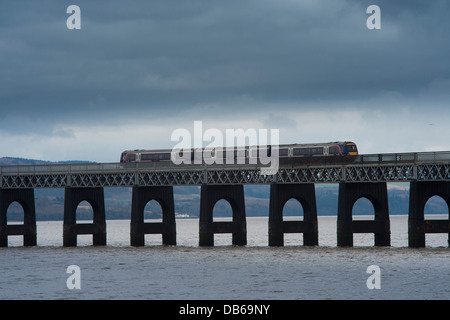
397 167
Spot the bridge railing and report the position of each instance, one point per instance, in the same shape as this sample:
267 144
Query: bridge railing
413 158
428 157
385 158
114 167
59 168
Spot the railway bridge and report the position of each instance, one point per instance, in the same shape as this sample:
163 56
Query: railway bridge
365 176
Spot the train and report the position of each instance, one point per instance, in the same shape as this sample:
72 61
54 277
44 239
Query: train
310 151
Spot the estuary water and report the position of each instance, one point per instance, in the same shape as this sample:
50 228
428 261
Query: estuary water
255 271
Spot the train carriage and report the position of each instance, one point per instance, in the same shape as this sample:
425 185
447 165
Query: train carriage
343 149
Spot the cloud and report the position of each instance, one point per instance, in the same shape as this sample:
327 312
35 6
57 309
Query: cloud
279 121
63 133
311 68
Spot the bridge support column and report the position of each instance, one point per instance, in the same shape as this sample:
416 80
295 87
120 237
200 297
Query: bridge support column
25 197
349 193
419 193
279 195
234 194
72 198
138 229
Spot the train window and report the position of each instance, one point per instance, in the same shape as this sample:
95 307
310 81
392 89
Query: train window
146 156
239 154
160 156
155 156
131 157
221 154
197 154
334 150
283 152
317 151
262 151
301 151
351 148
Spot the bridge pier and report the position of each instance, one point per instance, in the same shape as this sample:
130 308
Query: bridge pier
234 194
72 198
376 193
138 229
279 195
25 197
419 193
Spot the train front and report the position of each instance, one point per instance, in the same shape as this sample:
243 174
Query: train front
352 150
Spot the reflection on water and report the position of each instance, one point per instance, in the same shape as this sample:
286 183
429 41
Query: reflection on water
118 233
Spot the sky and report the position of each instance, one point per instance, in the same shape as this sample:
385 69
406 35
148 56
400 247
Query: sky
138 70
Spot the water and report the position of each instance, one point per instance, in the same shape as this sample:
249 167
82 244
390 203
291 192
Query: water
256 271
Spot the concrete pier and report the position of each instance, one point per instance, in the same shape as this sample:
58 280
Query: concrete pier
25 197
138 228
419 194
376 193
303 193
234 194
72 198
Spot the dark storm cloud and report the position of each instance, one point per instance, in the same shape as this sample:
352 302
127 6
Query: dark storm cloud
159 58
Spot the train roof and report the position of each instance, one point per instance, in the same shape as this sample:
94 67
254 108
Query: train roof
298 145
314 144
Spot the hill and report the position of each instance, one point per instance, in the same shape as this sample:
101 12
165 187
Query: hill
10 161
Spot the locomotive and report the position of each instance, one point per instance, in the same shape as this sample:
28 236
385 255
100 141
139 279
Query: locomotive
309 151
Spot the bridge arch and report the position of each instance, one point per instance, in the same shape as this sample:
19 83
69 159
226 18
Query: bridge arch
363 209
223 205
223 213
84 211
15 212
368 206
441 200
292 212
371 205
153 210
296 206
437 208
